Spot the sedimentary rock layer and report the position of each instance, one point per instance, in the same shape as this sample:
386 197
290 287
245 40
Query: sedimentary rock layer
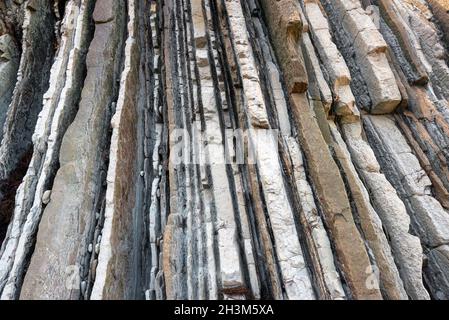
224 149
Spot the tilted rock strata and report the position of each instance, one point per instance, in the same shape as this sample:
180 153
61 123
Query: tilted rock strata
224 149
82 161
58 111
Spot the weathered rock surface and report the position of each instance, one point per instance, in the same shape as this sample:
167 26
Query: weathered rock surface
59 107
9 63
82 161
32 81
27 49
224 149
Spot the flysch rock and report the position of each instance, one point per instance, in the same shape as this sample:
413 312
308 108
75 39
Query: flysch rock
286 15
60 250
246 235
34 56
11 15
333 61
224 149
266 56
197 275
438 182
432 48
326 279
391 12
172 262
431 221
52 122
230 269
370 50
440 10
150 208
390 282
335 203
426 118
315 224
173 237
198 22
268 249
406 248
255 103
32 82
295 275
232 280
294 271
271 285
221 225
9 64
438 270
115 246
324 93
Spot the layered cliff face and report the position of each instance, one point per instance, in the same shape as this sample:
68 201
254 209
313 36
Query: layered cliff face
224 149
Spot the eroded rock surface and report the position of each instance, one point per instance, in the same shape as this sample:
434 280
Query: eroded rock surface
224 149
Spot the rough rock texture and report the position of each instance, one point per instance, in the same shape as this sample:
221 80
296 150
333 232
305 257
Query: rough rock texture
120 194
32 82
27 49
9 64
59 108
83 159
224 149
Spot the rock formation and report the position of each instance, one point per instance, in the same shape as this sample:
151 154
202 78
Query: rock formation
224 149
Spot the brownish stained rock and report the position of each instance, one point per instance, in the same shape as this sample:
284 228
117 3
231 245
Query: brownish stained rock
390 282
285 18
351 252
440 9
338 203
408 43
